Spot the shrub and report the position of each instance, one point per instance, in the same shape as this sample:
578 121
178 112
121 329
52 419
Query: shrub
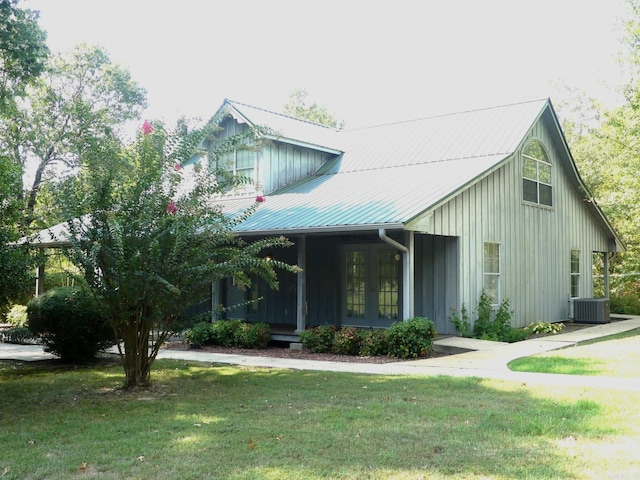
199 334
17 335
319 339
543 327
628 304
17 316
411 338
461 321
373 343
254 335
226 332
229 333
70 324
498 329
347 341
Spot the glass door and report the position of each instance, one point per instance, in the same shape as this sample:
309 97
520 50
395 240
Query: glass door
371 286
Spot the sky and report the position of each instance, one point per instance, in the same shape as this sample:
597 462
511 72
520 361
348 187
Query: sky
367 61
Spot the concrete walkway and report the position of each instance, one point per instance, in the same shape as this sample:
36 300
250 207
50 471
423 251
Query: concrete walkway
488 360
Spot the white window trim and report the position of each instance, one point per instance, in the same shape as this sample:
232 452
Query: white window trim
497 274
537 180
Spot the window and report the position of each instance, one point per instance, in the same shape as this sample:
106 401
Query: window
575 273
371 286
241 163
536 174
491 280
356 284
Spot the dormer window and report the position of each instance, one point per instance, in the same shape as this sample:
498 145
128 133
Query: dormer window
240 163
536 174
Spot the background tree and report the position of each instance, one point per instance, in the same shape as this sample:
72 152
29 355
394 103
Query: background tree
297 106
155 238
23 54
81 101
23 50
606 146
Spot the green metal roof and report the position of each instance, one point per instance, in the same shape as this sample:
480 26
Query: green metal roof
390 174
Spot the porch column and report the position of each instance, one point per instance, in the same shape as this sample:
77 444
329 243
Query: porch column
39 280
215 300
301 302
605 262
408 287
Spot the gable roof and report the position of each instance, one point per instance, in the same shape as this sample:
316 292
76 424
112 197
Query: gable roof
285 128
389 175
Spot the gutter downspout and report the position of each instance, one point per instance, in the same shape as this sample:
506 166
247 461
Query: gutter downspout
407 271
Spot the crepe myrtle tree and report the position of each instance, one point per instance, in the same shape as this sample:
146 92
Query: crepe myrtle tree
152 238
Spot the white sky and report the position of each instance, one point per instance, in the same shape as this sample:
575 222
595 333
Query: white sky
367 61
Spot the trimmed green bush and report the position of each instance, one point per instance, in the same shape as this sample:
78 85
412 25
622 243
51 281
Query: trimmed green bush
199 335
226 332
347 341
319 339
69 324
411 338
254 335
373 343
230 333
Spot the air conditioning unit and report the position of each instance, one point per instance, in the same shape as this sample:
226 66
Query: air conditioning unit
591 310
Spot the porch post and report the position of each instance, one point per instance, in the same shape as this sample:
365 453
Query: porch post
39 280
215 300
606 274
301 303
408 287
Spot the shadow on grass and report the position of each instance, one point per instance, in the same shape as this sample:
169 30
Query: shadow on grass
203 421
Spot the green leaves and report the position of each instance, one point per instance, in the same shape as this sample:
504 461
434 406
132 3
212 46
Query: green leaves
156 239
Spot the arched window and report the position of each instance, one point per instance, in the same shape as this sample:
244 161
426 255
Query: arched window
536 174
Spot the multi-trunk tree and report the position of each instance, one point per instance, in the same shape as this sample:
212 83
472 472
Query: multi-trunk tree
154 239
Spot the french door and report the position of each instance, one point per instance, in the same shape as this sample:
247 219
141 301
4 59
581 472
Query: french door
371 286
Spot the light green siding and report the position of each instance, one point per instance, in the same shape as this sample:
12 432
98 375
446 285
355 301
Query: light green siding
535 241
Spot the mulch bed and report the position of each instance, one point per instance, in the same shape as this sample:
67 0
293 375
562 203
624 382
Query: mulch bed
279 352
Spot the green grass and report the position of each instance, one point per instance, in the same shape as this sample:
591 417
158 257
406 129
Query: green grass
207 421
613 356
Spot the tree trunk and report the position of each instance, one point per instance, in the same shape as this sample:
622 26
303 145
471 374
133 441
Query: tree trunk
31 201
135 358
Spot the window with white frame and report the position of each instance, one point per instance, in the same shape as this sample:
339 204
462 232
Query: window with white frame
491 271
575 273
241 163
536 174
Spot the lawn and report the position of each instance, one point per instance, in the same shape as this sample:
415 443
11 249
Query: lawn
613 356
210 421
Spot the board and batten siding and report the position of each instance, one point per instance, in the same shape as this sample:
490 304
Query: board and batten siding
535 241
278 163
282 164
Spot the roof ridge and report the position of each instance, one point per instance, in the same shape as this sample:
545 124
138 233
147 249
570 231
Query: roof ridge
303 120
449 114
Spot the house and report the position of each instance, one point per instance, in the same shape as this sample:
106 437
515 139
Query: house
416 218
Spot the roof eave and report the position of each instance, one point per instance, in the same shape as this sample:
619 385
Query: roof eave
338 229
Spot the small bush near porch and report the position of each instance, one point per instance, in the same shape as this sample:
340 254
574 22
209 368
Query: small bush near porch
229 333
408 339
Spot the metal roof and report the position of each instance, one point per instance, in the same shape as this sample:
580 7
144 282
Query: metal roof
286 127
390 174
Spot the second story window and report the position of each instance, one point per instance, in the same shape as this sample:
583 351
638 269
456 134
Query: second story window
241 163
536 174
